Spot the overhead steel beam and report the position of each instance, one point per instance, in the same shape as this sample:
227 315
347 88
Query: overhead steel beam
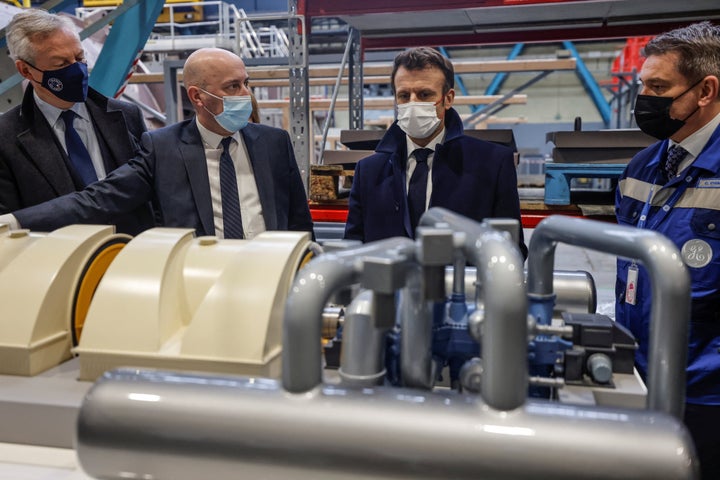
591 85
126 40
499 78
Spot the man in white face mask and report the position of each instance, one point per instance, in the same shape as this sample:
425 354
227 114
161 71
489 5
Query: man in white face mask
214 172
426 160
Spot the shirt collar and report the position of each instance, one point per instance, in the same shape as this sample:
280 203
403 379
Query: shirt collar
52 113
438 140
695 142
212 139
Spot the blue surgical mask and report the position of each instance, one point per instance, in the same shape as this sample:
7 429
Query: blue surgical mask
236 111
68 83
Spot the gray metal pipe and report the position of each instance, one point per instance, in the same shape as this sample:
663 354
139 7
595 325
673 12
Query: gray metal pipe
670 293
311 289
180 426
363 350
500 271
416 364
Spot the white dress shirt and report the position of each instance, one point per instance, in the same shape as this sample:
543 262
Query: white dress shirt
83 125
250 207
695 143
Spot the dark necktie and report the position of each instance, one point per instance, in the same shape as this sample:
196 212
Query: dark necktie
77 152
418 187
232 220
675 155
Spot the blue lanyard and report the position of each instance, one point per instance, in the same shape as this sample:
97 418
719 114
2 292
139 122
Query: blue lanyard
663 212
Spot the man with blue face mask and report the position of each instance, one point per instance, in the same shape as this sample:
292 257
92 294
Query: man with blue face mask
425 159
215 172
673 187
40 156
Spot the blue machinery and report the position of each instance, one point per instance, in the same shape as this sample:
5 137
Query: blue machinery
153 424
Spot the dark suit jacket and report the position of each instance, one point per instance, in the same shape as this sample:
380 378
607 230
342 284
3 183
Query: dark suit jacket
471 177
172 172
34 167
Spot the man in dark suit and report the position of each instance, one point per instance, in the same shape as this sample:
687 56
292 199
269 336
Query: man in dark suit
392 187
34 162
183 167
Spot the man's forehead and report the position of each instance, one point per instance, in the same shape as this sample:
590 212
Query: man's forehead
659 67
426 76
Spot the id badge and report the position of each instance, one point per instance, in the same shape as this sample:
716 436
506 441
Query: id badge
632 284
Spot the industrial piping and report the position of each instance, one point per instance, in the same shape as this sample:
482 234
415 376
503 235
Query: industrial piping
670 293
302 328
144 424
500 272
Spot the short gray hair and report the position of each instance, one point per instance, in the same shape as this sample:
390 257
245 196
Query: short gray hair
698 48
29 28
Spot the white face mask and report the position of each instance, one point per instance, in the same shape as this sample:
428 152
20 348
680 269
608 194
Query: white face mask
418 119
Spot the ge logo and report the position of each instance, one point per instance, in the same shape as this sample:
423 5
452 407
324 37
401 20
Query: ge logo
55 84
696 253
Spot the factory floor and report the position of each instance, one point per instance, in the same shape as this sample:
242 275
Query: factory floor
24 462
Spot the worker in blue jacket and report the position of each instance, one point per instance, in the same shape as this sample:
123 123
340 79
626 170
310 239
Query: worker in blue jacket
673 187
425 159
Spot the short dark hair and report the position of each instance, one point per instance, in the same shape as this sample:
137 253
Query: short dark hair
420 58
698 47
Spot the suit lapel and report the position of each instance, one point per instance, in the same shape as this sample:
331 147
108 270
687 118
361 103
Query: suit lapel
42 147
399 191
193 156
261 163
112 134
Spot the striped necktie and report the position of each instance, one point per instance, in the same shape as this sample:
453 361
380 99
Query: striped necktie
232 219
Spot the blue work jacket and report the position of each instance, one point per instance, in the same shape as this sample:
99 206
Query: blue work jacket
693 224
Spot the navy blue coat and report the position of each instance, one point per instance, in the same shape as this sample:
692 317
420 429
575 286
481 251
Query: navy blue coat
471 177
172 172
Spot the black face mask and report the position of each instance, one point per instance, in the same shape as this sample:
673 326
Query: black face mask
652 114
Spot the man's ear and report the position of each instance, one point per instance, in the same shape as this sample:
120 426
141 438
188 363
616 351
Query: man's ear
23 69
449 98
193 94
709 92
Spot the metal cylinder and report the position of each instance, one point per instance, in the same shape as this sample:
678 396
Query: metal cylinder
157 425
416 363
575 289
362 363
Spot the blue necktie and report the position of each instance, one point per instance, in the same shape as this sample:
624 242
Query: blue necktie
77 152
232 219
417 188
676 154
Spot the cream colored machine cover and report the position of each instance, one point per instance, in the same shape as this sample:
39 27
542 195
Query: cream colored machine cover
39 276
172 301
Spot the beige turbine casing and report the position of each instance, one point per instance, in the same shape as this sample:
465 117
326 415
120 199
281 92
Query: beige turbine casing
170 300
39 276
